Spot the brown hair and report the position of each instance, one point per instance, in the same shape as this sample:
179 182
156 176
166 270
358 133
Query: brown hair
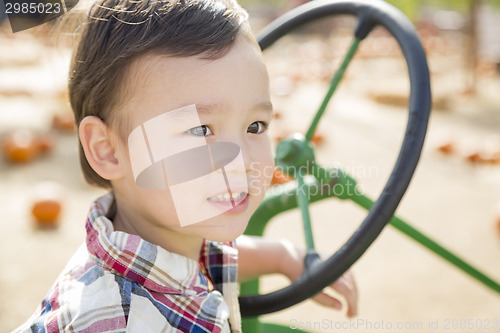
116 32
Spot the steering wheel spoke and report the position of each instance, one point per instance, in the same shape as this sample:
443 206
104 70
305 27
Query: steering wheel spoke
303 203
339 74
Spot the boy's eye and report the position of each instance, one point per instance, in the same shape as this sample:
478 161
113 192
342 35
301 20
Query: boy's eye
257 127
202 130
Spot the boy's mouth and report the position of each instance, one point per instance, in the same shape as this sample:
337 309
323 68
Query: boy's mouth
231 203
226 197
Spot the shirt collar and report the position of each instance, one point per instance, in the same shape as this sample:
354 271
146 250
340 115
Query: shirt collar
140 261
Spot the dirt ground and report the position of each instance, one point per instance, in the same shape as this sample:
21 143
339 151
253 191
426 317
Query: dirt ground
403 287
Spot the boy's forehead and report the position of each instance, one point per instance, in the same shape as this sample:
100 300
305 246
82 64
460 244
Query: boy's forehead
154 65
157 83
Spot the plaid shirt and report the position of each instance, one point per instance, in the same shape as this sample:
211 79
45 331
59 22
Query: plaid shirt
121 283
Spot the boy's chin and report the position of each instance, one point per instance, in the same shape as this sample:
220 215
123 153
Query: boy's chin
221 240
223 232
224 237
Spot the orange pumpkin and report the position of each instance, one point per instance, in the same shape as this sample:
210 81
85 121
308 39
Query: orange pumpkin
473 157
446 147
318 139
46 212
280 178
64 122
19 146
496 157
44 143
47 204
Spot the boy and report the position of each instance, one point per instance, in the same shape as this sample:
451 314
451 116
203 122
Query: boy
172 103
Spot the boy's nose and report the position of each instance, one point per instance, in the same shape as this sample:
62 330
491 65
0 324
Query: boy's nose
238 141
200 161
244 158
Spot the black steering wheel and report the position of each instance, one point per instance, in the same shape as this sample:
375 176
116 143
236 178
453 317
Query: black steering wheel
369 13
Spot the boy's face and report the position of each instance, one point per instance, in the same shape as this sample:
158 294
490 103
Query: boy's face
206 121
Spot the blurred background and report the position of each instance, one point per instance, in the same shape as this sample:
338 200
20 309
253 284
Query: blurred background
454 196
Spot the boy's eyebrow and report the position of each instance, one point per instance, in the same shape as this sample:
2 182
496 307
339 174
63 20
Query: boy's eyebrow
209 108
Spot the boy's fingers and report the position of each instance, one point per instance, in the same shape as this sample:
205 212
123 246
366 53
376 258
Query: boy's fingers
327 300
346 286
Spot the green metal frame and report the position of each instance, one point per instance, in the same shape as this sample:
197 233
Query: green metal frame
284 197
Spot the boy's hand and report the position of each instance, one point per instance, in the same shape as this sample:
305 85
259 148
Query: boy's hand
346 287
259 256
292 266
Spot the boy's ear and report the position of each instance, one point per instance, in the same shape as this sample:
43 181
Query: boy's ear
99 150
